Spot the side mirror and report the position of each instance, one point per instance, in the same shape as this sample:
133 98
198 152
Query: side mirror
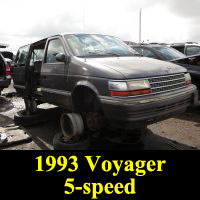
60 57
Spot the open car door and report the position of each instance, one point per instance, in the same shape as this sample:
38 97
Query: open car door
19 67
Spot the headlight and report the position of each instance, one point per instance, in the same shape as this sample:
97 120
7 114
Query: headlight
188 79
129 88
117 86
138 85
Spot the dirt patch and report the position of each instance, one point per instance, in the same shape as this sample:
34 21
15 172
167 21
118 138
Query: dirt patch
184 129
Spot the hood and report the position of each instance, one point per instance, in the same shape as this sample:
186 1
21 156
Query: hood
137 67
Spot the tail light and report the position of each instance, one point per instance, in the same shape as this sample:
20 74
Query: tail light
8 75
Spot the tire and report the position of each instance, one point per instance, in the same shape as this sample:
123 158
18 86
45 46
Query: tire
80 144
22 119
71 125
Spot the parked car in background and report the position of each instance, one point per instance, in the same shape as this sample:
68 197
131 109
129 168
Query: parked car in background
5 76
189 49
2 45
6 61
158 51
130 43
163 52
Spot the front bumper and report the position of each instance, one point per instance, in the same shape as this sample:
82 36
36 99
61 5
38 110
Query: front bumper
134 112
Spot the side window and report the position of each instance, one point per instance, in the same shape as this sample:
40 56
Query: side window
190 51
54 47
148 53
22 55
37 55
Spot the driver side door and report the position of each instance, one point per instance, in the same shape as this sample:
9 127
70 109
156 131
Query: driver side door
53 72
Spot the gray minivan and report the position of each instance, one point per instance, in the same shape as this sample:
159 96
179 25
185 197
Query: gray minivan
98 80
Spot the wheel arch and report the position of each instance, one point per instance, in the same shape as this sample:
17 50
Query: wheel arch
86 84
82 94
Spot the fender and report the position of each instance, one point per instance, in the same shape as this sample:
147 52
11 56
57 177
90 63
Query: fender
86 84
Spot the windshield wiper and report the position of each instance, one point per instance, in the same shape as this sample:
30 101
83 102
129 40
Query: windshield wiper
102 53
95 53
113 54
105 54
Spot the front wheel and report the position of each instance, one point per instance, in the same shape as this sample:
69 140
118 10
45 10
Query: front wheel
95 121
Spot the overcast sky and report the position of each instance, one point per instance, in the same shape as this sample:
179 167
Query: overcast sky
26 21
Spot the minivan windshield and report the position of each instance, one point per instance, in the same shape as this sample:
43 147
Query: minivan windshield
170 53
94 45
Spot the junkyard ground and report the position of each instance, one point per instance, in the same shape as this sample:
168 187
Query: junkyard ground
181 132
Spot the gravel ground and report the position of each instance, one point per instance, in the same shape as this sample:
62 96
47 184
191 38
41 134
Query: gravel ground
184 129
